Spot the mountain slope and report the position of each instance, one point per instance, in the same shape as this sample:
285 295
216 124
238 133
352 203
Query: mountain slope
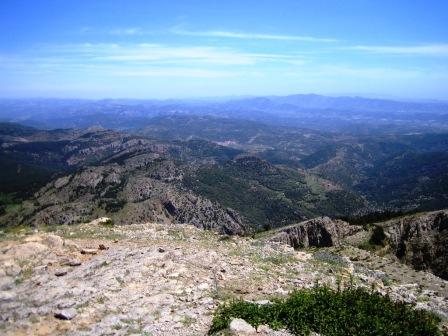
135 179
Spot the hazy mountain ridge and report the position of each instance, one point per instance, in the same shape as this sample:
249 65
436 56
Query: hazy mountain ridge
348 114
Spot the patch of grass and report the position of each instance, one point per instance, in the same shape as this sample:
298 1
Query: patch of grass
355 312
176 234
276 259
120 281
330 258
16 229
188 321
101 299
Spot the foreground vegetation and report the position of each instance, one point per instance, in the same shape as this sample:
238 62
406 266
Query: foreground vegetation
332 313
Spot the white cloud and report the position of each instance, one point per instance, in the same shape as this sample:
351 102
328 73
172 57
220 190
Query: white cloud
252 36
424 50
126 31
139 60
165 54
174 72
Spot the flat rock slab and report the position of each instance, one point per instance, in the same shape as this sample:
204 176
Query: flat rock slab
65 314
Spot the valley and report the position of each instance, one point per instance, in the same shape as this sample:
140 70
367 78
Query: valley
286 206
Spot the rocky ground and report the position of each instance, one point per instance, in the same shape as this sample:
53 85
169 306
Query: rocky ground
153 279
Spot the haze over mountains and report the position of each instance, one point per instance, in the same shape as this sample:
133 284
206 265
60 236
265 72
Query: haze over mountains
347 114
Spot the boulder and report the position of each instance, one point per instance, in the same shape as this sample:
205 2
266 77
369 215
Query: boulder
240 327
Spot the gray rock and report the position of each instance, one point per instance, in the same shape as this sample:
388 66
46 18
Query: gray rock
72 262
65 314
60 272
421 241
317 232
241 327
7 296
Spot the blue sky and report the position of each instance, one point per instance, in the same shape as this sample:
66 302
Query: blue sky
177 49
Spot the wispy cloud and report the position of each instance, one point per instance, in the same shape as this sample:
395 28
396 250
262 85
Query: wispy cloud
167 54
423 50
126 31
252 36
141 60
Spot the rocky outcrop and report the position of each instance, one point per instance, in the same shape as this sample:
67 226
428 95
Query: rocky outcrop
421 241
317 232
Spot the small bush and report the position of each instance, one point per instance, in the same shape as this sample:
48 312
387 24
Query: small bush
332 313
108 223
378 236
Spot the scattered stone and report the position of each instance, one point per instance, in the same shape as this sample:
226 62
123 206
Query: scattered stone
203 286
7 296
88 251
161 249
65 314
72 262
60 272
102 247
241 327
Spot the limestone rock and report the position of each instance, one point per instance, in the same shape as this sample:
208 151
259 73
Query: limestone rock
421 241
60 272
65 314
240 327
317 232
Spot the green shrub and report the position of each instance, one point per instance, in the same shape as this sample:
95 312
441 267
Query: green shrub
378 236
332 313
108 223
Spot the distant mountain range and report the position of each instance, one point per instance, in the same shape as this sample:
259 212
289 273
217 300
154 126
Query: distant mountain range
346 114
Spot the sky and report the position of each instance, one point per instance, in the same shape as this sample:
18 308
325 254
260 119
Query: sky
187 48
